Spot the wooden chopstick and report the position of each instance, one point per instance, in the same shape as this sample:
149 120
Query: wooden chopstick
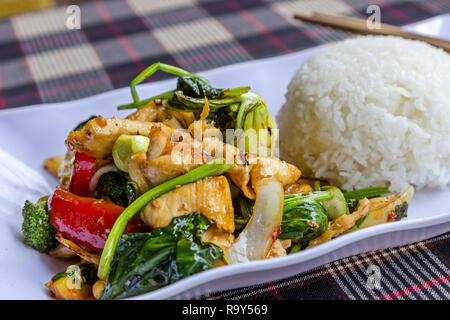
360 26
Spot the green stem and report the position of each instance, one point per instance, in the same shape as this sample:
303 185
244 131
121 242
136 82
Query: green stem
213 168
140 104
293 200
295 248
366 193
151 70
241 221
315 195
249 102
234 92
317 185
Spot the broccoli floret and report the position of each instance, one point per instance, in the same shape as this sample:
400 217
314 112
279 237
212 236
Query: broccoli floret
118 188
36 228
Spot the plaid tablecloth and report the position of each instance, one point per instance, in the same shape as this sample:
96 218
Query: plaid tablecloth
41 60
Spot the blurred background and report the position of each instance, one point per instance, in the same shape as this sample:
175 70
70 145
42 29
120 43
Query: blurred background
58 50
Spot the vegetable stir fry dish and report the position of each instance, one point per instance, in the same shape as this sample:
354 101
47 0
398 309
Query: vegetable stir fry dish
188 181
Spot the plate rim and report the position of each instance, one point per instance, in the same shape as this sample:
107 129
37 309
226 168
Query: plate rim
201 278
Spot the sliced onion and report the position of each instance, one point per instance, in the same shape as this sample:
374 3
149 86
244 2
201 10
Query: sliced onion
78 250
97 175
255 241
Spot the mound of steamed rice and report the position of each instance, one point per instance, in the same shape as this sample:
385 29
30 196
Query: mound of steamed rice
370 111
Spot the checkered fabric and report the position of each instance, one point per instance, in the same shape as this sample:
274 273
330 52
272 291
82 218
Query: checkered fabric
41 60
417 271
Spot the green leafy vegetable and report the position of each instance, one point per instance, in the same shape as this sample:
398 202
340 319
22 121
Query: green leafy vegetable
148 261
117 187
213 168
304 222
197 87
292 200
36 228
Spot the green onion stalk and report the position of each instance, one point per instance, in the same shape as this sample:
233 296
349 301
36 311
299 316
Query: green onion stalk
235 108
213 168
366 193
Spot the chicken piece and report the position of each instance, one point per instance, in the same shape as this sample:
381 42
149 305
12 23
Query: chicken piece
210 196
298 188
215 236
278 248
98 135
53 165
164 160
153 112
388 208
249 168
342 224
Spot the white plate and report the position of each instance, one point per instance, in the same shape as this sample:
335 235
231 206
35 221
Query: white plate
34 133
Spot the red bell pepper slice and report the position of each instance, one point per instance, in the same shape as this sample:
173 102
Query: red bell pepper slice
82 172
87 220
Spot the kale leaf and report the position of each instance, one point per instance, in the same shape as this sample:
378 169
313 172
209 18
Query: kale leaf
306 221
117 187
197 87
147 261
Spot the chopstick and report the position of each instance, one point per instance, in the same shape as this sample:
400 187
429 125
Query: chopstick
360 26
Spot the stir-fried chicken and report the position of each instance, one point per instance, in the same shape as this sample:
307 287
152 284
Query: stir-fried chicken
211 197
220 238
159 113
174 152
342 224
278 248
164 160
178 157
98 135
53 164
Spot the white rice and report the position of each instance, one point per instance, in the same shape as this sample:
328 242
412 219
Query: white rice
370 111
